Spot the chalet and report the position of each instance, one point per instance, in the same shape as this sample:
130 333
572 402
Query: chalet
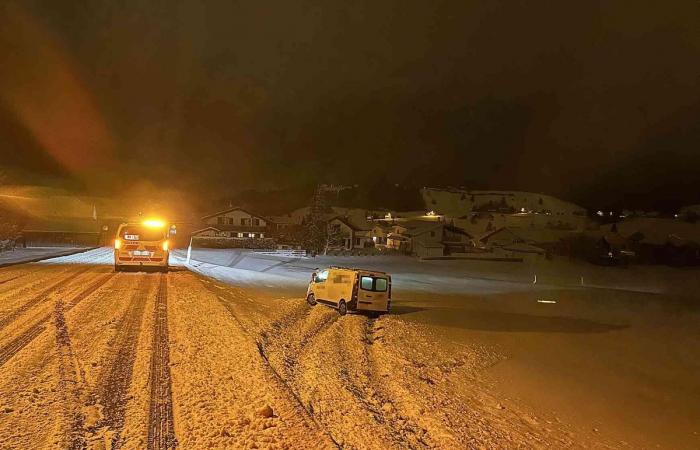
347 233
427 238
233 223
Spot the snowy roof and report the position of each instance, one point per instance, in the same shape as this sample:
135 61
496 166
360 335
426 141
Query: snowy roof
231 210
418 227
206 229
521 247
354 223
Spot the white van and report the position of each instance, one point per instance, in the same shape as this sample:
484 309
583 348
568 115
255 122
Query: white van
351 290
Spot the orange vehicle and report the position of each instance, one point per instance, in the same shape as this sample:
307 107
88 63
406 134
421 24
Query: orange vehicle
141 245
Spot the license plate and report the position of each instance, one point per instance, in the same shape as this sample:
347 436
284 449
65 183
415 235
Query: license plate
142 253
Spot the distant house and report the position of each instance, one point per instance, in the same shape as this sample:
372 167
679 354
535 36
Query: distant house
660 241
345 233
233 223
379 235
427 238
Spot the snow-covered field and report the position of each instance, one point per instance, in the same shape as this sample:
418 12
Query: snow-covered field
446 276
90 358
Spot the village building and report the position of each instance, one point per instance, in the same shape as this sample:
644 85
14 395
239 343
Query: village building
346 233
660 241
427 238
234 224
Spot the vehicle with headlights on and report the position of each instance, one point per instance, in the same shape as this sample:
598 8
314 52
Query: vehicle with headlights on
142 245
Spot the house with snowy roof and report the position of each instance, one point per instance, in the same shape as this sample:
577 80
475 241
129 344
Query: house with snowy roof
233 223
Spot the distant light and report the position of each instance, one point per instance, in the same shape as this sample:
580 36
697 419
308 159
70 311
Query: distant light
600 213
154 223
675 215
430 213
522 210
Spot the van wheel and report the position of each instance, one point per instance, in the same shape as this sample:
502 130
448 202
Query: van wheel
342 308
311 300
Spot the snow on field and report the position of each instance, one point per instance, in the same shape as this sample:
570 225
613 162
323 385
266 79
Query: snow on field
451 276
90 358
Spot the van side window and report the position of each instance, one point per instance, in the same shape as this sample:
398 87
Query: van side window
366 283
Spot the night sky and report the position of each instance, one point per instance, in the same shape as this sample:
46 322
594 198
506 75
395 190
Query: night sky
597 102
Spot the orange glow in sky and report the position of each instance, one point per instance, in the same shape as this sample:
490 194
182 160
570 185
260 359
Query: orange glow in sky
39 83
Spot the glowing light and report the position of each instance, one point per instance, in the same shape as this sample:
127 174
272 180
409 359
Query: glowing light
154 223
166 245
117 244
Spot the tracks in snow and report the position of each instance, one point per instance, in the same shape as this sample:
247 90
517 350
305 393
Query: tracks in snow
113 383
13 347
259 338
40 297
161 429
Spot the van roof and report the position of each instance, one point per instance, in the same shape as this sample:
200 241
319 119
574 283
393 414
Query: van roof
355 269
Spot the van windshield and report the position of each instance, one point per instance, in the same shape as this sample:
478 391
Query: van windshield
141 233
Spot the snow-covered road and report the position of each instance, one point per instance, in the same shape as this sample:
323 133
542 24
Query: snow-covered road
90 358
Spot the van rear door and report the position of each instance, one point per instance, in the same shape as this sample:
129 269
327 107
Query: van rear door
373 291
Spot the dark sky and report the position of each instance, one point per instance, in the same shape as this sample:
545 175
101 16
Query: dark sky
584 100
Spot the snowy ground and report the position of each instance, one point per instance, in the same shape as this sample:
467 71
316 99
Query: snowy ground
447 276
90 358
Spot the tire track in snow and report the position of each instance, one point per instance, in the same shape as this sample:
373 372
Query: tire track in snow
371 392
69 383
13 347
161 424
113 384
40 297
227 303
